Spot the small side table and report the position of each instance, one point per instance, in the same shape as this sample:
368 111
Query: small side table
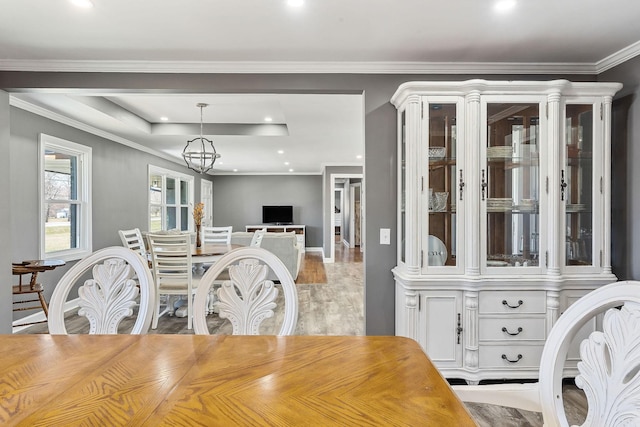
32 267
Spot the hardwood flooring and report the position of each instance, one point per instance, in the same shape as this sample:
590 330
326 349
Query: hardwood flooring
331 298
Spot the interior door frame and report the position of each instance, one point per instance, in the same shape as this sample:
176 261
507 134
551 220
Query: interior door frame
352 217
332 210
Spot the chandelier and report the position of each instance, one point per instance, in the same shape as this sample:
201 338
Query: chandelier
199 153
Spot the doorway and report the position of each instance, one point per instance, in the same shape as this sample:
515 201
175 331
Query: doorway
349 227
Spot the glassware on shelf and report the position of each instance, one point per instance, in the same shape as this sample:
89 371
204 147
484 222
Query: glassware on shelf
439 201
437 153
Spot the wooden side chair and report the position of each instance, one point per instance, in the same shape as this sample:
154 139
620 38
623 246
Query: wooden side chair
32 287
247 298
110 295
609 370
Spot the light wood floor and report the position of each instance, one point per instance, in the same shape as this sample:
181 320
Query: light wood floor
331 298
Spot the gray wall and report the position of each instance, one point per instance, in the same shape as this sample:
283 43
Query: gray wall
380 178
625 151
238 200
7 196
119 188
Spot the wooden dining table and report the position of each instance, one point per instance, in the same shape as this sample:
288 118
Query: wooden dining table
187 380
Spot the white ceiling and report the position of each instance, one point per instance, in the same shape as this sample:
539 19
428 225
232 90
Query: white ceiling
384 36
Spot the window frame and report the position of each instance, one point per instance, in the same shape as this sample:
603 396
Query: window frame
178 176
82 200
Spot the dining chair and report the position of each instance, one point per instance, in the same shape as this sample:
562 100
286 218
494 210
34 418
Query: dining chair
220 235
247 298
609 370
33 289
133 240
256 240
172 271
109 295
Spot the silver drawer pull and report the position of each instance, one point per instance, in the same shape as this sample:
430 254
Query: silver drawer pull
506 331
504 302
504 356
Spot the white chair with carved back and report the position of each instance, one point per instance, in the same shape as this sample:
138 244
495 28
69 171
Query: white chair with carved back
247 298
172 271
110 295
609 370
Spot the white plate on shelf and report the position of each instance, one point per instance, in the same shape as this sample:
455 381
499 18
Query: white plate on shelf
437 251
496 263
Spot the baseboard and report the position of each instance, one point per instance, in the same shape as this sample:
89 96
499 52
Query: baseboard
40 317
314 249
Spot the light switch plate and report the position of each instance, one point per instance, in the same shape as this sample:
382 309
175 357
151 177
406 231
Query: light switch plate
385 236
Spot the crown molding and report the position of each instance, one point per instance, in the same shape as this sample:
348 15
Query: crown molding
618 58
255 67
36 109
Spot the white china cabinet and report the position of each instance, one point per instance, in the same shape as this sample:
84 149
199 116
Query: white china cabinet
503 217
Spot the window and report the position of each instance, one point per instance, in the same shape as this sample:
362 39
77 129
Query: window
65 199
170 200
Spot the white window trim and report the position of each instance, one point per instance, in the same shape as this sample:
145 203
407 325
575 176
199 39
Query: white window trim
85 228
157 170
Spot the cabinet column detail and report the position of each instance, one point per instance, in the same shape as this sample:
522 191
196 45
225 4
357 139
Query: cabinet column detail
553 170
413 181
472 222
411 301
471 330
553 309
606 187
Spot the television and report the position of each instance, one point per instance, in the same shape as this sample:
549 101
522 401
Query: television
277 215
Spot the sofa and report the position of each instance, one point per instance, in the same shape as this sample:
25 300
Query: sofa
283 245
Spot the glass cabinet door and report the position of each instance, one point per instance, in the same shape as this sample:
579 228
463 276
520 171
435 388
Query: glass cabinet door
577 184
403 185
441 192
510 184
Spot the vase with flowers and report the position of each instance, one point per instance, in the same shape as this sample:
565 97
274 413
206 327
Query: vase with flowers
198 214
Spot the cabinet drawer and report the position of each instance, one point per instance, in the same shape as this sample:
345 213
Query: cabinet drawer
512 302
521 356
505 328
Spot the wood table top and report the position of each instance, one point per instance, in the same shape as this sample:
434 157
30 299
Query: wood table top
36 265
213 249
226 380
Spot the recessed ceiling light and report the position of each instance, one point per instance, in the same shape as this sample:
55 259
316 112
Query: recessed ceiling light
87 4
268 119
504 5
280 151
359 156
286 163
295 3
164 119
290 170
221 163
235 170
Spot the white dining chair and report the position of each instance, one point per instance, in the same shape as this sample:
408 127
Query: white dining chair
220 235
172 271
110 295
247 298
133 240
258 235
609 370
